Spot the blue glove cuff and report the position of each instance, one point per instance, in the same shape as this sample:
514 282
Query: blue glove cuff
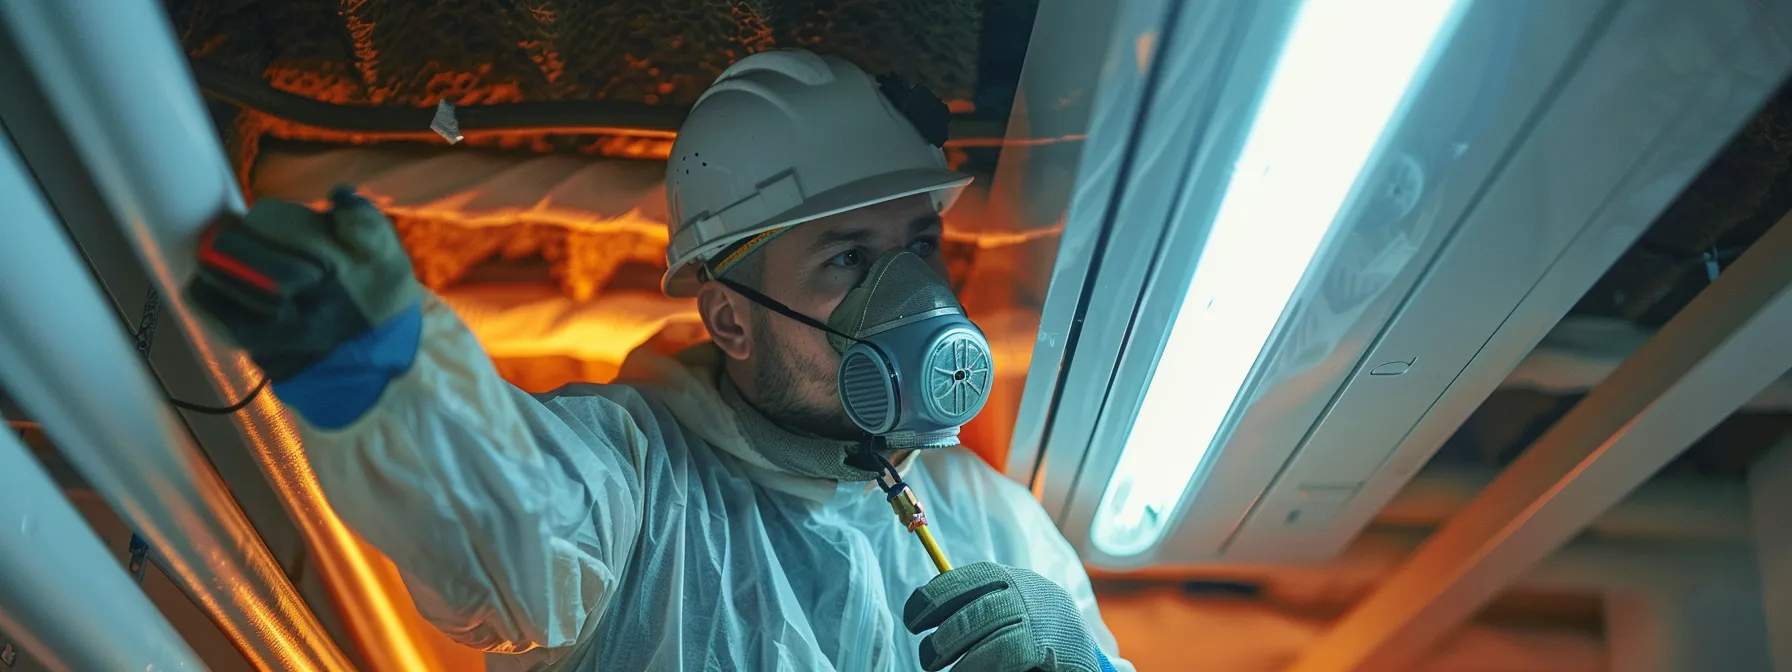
338 390
1103 659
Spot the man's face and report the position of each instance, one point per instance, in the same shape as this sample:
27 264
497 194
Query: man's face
810 268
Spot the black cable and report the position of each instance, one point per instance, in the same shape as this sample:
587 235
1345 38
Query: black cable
896 485
221 410
870 457
144 336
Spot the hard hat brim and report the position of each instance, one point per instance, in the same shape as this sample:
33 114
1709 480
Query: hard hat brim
681 279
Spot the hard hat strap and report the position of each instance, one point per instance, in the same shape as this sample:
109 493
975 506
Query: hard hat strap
715 266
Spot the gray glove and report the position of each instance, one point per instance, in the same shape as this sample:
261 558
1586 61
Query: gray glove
992 618
289 284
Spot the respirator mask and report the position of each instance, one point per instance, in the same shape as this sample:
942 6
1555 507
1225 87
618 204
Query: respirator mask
913 368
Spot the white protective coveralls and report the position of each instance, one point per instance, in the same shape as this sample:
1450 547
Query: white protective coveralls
631 526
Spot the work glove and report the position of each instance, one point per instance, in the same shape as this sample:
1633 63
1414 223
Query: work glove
992 618
290 284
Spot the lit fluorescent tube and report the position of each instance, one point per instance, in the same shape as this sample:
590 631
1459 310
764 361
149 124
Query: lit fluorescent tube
1342 72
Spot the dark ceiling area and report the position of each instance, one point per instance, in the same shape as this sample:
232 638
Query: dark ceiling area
1745 189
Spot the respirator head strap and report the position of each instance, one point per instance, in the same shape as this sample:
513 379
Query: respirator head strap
777 307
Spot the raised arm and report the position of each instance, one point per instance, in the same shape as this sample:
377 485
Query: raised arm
511 519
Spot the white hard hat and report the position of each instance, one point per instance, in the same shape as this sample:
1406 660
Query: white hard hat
785 137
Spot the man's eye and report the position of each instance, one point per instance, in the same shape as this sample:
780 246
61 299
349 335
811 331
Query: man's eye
847 259
924 248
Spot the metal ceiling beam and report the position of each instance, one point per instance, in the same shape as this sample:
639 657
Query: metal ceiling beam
1581 351
1722 349
1683 509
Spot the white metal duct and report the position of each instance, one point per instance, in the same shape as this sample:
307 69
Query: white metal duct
60 586
1534 144
104 113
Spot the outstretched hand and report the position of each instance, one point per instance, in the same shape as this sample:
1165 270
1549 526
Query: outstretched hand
290 284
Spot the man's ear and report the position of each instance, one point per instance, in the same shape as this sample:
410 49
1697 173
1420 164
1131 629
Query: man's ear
726 322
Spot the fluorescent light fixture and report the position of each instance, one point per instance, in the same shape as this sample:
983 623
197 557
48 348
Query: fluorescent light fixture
1342 72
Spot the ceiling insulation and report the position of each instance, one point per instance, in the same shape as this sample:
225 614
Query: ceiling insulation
595 226
406 53
586 217
413 52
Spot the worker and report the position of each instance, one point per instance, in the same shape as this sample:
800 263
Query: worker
709 510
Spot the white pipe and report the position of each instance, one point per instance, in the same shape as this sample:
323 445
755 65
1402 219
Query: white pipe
66 599
65 360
